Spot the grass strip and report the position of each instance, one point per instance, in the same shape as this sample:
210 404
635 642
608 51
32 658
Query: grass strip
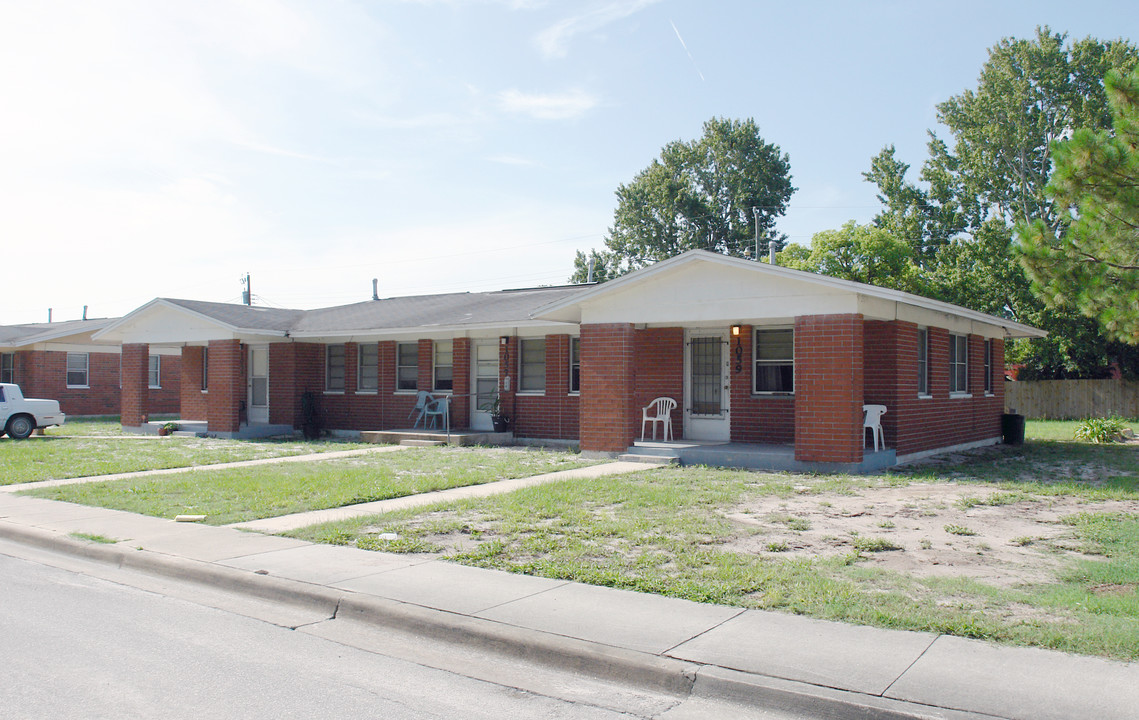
229 495
70 457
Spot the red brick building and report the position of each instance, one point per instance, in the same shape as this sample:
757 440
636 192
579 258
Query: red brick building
61 361
757 356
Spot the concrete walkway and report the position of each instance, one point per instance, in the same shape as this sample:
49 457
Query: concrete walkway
284 523
765 659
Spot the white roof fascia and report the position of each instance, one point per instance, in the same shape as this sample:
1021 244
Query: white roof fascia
572 313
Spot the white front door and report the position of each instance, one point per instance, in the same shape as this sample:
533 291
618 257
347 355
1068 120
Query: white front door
707 387
484 379
258 400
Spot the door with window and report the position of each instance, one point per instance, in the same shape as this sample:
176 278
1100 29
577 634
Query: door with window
706 386
258 400
484 380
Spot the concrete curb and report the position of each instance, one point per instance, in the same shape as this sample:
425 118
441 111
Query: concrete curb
777 694
644 670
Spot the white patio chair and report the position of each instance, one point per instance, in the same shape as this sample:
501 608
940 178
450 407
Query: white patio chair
658 411
873 420
421 399
438 409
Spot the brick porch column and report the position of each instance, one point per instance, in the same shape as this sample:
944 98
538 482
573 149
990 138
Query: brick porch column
135 396
828 388
227 386
608 416
461 383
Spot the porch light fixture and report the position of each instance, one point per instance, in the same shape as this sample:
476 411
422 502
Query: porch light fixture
737 334
504 340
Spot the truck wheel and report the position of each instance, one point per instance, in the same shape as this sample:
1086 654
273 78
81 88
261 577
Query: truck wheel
21 426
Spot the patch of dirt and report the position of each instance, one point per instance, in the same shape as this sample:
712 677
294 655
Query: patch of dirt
942 530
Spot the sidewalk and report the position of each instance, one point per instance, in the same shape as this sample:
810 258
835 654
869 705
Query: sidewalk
770 660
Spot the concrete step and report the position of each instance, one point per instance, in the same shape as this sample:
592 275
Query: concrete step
649 459
408 442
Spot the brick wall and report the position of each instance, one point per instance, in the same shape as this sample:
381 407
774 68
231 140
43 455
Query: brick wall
828 388
43 374
135 393
916 424
658 371
227 385
609 414
193 403
553 414
762 419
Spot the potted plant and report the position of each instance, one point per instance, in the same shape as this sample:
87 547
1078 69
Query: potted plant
167 429
494 407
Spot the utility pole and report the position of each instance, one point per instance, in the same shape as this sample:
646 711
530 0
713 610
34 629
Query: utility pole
247 293
755 212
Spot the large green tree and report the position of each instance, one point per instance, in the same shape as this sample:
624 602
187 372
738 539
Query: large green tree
717 192
1093 263
862 253
991 175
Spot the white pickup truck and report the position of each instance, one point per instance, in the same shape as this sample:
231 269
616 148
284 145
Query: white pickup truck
19 416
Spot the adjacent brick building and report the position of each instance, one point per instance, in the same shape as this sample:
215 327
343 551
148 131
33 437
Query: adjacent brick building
61 361
754 354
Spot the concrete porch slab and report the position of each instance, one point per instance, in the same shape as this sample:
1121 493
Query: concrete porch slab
455 437
775 458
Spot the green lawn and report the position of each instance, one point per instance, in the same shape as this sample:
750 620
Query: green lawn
238 494
54 456
676 532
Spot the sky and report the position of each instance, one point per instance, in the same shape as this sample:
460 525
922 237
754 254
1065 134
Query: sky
153 148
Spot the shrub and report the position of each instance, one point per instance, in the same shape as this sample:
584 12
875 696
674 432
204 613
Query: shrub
1101 430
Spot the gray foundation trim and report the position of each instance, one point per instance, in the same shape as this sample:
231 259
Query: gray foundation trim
951 448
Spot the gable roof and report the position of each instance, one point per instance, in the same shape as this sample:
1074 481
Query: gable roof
31 333
751 291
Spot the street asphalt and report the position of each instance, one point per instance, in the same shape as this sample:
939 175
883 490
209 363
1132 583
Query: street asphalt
770 661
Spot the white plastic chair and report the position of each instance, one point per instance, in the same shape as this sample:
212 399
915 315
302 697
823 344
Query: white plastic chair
661 410
438 409
421 399
873 420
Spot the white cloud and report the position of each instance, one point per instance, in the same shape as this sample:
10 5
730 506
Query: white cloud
511 160
547 106
554 40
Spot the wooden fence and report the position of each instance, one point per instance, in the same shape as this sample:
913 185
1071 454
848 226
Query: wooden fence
1073 399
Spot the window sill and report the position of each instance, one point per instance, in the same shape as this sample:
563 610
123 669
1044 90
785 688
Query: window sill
531 393
205 392
773 394
333 392
574 393
367 392
78 387
925 396
405 392
960 396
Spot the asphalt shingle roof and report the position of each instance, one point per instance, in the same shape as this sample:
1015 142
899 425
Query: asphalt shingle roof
502 307
29 333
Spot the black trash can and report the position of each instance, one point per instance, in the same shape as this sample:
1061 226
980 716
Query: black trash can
1012 429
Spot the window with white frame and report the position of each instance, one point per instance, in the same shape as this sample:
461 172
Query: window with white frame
407 366
8 367
532 365
77 367
154 371
958 364
575 365
205 369
444 365
334 368
988 367
923 361
774 360
368 367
